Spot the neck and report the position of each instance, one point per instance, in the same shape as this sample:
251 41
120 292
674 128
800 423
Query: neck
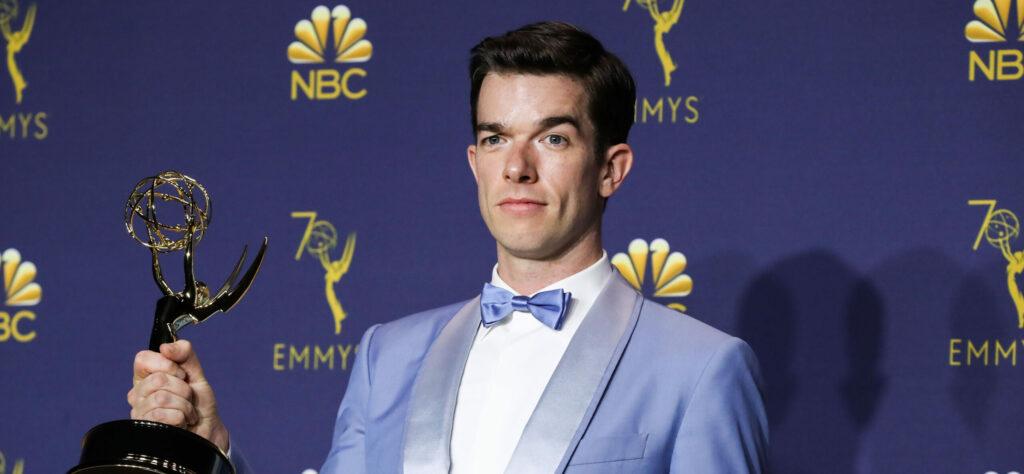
526 275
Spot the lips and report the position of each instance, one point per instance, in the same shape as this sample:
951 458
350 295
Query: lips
518 201
520 205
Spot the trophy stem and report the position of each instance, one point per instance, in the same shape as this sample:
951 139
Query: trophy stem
168 309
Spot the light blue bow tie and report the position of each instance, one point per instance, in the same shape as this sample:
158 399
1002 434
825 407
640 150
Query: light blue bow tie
549 307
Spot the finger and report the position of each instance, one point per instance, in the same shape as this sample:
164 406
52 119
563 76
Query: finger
181 352
167 416
163 402
149 362
159 381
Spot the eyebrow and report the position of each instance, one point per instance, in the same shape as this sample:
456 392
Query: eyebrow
544 124
493 127
557 120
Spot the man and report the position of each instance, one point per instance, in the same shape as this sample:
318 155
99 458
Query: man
584 375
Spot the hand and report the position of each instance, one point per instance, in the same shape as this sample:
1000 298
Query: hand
169 387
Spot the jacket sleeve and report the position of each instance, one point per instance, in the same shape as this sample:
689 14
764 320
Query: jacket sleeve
348 451
725 427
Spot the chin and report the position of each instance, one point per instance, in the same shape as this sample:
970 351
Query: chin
519 246
533 247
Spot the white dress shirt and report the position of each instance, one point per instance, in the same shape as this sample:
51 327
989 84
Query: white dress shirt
509 365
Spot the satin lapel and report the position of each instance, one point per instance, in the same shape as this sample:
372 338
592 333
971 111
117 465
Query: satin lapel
428 426
571 396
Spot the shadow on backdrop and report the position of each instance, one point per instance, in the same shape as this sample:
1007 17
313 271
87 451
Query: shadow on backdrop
973 315
816 326
719 282
916 428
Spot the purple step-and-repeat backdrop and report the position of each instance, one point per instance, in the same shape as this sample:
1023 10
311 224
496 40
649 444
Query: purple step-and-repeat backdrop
834 182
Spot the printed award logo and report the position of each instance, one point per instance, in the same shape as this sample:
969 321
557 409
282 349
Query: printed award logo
999 227
664 109
20 291
666 269
663 22
995 19
16 40
17 124
319 240
347 45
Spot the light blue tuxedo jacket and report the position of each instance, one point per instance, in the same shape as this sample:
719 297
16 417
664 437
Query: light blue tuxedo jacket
640 389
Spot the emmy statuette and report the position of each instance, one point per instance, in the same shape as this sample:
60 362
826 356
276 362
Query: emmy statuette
137 446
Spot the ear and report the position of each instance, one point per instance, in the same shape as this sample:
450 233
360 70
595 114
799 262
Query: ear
618 160
471 157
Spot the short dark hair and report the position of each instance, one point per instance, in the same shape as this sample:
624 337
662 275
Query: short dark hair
553 47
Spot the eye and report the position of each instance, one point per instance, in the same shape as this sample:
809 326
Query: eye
491 140
556 140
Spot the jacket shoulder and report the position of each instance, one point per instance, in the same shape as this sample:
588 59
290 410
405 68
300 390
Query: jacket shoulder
423 325
677 338
657 318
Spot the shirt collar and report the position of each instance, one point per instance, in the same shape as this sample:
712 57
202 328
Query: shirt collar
584 285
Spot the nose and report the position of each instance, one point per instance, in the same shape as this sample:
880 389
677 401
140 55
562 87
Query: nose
519 167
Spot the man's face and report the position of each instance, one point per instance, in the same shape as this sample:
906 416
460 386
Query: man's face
538 181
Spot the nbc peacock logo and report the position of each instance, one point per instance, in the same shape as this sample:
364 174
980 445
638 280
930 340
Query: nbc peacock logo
17 466
20 291
348 42
667 269
329 36
994 22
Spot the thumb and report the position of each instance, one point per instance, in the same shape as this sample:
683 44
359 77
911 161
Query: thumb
181 352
